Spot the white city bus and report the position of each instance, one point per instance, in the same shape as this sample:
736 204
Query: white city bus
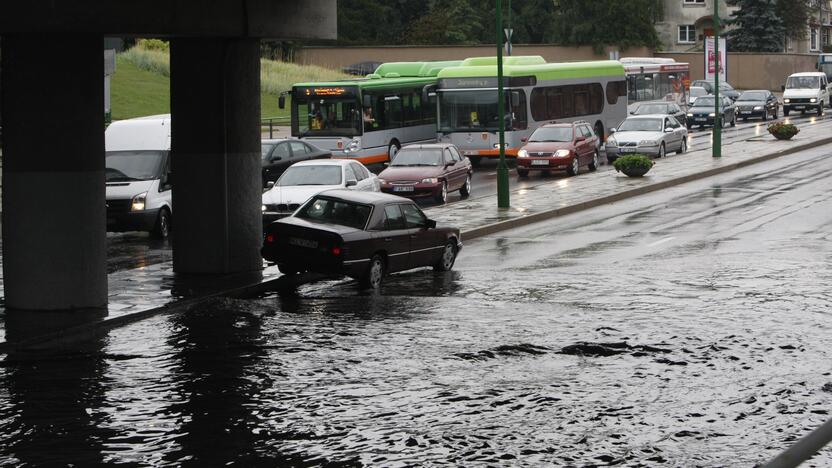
536 93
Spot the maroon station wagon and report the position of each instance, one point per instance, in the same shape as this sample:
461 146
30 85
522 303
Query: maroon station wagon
427 171
363 235
557 147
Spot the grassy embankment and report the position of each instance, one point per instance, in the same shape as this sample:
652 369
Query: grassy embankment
141 84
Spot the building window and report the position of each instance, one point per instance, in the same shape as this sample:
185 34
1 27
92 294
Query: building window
693 2
825 36
687 34
813 45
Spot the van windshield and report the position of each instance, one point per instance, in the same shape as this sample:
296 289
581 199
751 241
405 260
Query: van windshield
126 166
803 82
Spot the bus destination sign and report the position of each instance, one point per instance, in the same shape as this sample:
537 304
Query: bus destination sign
327 91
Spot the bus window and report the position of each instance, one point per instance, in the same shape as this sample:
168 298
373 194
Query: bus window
615 90
556 102
518 112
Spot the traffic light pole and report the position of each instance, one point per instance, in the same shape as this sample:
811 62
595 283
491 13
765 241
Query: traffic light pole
502 168
716 148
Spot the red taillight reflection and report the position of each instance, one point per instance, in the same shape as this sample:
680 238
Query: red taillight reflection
270 238
336 251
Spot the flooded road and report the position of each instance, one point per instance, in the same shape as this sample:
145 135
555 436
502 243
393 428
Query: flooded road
690 327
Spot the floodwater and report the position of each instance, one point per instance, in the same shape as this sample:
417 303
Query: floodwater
686 328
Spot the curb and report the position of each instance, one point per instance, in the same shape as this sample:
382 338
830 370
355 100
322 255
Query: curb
582 206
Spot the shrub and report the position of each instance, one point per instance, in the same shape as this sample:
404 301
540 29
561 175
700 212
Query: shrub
783 131
633 162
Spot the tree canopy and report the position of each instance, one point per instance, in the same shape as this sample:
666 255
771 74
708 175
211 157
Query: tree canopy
758 26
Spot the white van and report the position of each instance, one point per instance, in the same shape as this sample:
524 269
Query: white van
806 91
137 169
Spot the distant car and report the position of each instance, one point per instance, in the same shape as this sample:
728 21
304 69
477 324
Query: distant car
758 103
307 178
361 68
427 171
806 91
653 135
665 108
725 89
702 113
279 154
362 235
565 146
695 92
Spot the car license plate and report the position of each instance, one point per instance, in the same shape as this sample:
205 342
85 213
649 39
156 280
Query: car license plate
540 162
700 119
626 150
745 112
303 242
403 189
798 107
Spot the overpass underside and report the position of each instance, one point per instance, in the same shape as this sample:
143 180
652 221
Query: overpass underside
54 215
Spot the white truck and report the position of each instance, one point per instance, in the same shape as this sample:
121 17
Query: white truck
137 170
806 91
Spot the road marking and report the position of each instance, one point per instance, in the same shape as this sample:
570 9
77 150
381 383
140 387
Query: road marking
752 210
661 241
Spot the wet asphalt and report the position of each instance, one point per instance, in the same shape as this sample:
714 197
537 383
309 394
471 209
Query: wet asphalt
690 327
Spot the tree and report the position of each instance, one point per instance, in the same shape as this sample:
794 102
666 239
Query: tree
581 22
445 22
795 15
757 26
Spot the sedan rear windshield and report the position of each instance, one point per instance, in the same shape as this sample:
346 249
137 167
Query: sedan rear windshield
551 134
752 97
641 125
651 109
311 175
333 211
418 157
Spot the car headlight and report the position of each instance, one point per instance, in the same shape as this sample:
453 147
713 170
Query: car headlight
648 143
137 203
562 153
611 142
430 180
690 114
263 208
758 107
787 101
712 114
813 100
382 181
522 154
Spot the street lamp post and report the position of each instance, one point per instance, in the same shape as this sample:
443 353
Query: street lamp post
716 148
502 168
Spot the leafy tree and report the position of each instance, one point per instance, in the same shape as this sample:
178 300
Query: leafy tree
445 22
368 22
795 17
580 22
757 26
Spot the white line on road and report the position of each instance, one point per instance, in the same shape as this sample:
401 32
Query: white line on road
661 241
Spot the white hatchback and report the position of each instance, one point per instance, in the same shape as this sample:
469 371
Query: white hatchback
305 179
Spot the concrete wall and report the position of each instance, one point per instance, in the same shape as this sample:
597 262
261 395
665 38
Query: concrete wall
337 57
750 70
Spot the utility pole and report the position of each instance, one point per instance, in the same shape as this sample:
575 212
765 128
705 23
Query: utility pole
502 168
716 148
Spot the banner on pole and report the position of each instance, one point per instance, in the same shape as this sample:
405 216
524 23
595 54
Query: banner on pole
710 59
509 33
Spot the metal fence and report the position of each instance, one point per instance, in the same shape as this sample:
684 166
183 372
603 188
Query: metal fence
270 124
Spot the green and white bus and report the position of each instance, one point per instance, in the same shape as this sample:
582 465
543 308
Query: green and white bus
369 119
536 93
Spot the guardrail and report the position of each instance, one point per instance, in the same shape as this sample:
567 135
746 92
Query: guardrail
272 122
803 449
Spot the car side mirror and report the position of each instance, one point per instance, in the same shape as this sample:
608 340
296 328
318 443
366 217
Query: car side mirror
169 179
352 183
270 184
579 139
612 130
782 87
387 164
668 130
430 224
524 140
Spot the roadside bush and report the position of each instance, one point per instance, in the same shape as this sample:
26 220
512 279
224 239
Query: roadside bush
154 44
154 60
783 131
633 161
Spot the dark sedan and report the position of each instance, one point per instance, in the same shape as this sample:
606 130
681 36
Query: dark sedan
725 89
363 235
661 108
702 112
279 154
427 171
757 103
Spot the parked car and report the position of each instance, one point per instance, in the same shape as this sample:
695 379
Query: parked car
757 103
137 175
806 91
308 178
432 170
653 135
702 113
664 108
695 92
565 146
725 89
362 235
279 154
362 68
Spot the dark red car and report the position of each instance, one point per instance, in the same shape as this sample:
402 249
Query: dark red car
363 235
558 147
427 171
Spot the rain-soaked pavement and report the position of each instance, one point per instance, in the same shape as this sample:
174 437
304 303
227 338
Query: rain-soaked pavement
690 327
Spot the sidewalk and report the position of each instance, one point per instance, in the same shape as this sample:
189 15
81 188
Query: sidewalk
141 292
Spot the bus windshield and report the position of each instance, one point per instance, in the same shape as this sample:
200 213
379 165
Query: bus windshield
476 110
326 116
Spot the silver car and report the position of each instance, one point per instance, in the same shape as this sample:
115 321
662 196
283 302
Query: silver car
653 135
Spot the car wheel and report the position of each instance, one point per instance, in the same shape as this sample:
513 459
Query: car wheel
662 151
820 109
162 228
522 172
446 262
442 196
765 115
785 112
776 112
683 147
574 167
593 166
375 272
393 149
734 120
465 190
475 161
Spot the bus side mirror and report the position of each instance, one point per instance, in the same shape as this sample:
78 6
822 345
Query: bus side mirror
367 100
515 99
281 102
426 90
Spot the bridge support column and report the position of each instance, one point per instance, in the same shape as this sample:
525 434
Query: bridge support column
215 107
54 221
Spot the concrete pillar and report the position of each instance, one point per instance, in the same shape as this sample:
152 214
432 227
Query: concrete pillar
53 223
215 107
